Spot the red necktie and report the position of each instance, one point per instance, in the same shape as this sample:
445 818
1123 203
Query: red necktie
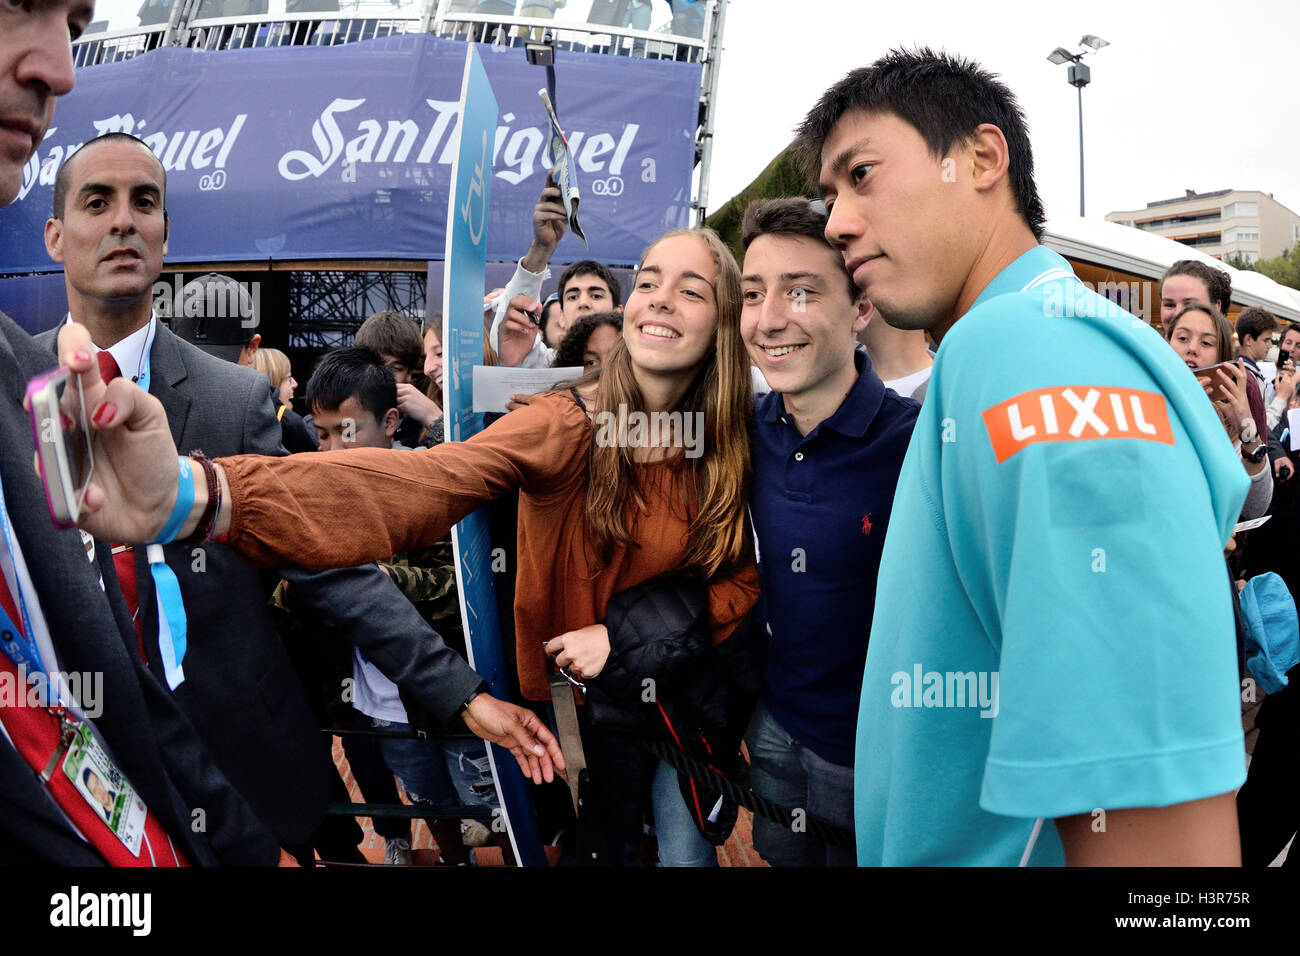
108 369
35 734
123 555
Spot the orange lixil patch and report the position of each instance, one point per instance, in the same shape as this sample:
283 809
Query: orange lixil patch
1076 413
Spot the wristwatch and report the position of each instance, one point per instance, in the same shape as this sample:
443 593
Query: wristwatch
1256 456
482 688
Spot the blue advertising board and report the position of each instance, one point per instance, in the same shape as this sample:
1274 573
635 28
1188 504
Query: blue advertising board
345 152
462 337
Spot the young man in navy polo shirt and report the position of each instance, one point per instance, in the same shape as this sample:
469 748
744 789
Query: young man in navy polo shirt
828 442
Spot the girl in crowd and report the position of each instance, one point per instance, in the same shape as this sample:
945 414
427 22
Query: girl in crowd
274 364
1202 337
596 517
296 432
588 341
425 406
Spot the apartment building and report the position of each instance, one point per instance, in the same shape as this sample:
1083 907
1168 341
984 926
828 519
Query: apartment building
1224 223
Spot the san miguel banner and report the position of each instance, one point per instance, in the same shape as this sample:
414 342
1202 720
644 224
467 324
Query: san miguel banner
346 151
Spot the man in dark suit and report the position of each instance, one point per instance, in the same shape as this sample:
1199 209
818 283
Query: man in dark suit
67 596
109 230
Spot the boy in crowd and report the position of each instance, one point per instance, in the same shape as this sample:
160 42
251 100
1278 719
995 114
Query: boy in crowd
901 357
828 442
585 287
1039 688
1255 328
353 398
396 339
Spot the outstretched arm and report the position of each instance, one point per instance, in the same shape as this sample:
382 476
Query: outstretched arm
333 509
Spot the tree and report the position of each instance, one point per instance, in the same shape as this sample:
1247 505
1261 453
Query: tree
1283 269
1238 261
784 176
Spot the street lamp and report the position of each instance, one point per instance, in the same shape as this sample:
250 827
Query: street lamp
1078 76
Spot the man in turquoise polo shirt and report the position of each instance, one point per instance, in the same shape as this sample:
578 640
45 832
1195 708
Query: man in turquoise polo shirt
1051 676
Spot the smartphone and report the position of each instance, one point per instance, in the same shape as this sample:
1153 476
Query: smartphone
63 450
1208 370
1282 356
1250 525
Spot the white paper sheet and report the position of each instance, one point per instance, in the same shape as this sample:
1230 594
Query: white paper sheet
493 385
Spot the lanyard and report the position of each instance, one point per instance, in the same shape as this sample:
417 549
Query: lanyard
21 649
20 643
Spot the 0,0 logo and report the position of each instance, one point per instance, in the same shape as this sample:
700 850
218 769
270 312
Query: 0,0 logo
607 187
213 180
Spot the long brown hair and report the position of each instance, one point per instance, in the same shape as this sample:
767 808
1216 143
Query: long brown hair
718 480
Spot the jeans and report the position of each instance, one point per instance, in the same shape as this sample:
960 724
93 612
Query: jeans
441 772
680 840
787 773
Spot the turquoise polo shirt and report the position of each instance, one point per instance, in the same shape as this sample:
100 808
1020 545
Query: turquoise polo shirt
1053 633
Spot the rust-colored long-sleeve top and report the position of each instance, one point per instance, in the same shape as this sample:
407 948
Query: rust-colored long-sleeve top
337 509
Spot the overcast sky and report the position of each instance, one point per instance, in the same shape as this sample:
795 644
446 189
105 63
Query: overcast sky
1202 94
1190 95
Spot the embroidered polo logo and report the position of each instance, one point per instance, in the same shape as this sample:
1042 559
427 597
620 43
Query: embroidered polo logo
866 523
1076 413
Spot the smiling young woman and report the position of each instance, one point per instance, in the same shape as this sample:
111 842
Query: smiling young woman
595 518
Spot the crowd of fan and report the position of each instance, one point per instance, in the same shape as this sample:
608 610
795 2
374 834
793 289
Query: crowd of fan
878 511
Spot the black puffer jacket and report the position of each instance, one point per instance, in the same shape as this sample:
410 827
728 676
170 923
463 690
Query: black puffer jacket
660 657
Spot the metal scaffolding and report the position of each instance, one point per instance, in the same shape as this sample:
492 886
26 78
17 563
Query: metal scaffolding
327 307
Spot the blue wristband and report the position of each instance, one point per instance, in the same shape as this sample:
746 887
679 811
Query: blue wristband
184 503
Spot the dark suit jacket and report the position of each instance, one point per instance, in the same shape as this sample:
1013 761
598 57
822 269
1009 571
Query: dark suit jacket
240 687
154 742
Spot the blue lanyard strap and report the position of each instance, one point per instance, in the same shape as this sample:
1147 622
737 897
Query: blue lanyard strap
18 643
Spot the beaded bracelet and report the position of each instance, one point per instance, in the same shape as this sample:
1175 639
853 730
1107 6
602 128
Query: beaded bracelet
208 520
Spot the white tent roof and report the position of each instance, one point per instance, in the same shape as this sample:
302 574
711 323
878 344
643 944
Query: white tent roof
1110 245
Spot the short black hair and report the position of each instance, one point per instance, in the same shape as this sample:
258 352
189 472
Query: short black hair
1218 284
574 343
791 217
944 98
353 373
393 334
592 267
1255 322
552 299
64 174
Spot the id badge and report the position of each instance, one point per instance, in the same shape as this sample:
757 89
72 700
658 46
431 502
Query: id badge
104 787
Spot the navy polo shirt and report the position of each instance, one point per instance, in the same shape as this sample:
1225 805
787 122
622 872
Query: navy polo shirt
820 507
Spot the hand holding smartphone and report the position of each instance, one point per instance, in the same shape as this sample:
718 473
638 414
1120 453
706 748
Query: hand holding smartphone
1215 388
64 455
